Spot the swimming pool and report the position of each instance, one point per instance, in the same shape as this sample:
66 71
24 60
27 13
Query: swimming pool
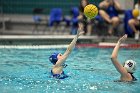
90 71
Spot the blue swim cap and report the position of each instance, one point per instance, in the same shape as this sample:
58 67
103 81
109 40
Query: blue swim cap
53 58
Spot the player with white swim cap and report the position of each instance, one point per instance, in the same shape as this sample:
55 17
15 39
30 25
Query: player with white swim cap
129 66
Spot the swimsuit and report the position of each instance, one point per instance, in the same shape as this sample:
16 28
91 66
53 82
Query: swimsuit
112 12
59 76
133 78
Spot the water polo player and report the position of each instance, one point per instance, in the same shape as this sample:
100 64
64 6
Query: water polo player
58 60
129 66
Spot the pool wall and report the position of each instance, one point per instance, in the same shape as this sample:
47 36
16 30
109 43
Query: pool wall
57 40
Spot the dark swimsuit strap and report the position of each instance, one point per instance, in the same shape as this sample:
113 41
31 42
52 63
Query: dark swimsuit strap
59 76
134 79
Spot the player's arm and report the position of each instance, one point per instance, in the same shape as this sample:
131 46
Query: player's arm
71 46
117 5
114 55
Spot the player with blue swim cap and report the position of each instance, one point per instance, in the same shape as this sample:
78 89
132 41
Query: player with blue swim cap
129 66
58 59
53 58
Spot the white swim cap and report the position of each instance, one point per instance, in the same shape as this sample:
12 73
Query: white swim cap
130 66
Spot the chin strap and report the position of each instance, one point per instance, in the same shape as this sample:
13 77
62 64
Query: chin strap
64 65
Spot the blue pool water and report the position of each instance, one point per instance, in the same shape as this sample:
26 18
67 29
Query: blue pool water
90 71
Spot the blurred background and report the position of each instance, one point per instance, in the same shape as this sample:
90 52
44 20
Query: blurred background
55 17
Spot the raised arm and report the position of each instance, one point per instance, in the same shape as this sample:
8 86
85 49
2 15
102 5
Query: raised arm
114 55
71 46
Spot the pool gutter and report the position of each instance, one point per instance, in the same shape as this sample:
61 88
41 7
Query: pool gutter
57 40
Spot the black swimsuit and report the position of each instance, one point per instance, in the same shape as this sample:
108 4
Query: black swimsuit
133 78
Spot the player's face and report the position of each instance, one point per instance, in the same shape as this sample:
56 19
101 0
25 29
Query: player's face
84 3
59 55
111 2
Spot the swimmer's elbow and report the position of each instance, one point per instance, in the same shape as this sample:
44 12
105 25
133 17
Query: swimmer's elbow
113 57
69 49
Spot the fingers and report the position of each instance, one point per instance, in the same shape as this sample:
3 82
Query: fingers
123 38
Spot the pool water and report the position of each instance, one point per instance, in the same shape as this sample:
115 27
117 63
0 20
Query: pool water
90 71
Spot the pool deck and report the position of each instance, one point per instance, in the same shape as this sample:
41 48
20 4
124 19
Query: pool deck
61 40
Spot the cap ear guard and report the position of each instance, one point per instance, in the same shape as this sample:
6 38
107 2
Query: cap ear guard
53 58
130 66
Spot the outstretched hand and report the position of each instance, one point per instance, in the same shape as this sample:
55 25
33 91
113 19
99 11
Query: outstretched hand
123 38
80 30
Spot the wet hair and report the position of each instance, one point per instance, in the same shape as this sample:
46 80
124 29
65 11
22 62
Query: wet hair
81 8
139 1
